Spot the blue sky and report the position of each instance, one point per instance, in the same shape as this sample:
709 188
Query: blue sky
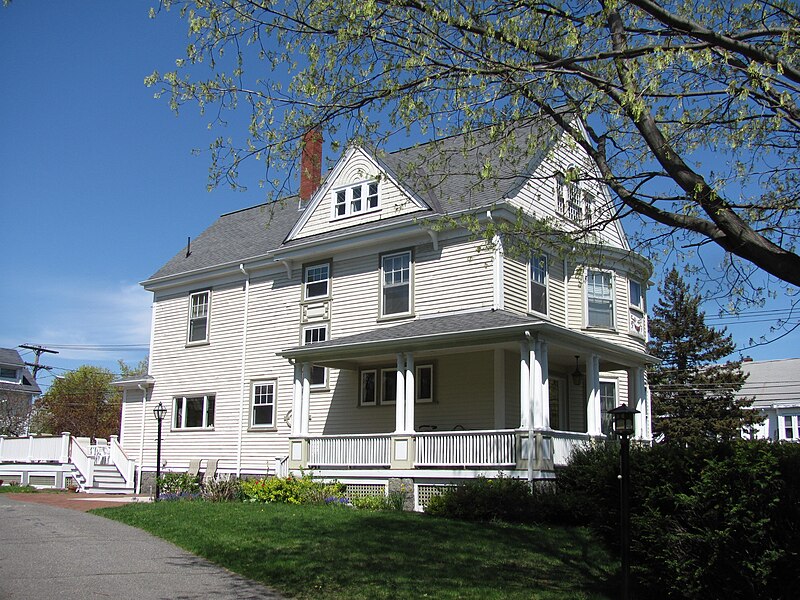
99 186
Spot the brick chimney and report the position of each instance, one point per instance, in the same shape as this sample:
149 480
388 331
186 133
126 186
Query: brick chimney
310 164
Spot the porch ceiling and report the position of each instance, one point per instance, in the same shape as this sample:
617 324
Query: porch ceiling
462 332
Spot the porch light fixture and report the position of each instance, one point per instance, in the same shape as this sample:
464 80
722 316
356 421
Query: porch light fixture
624 427
577 376
159 412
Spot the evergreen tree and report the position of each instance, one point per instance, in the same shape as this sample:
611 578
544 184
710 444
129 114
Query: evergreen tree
694 394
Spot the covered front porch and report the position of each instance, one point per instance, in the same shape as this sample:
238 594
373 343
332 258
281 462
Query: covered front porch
459 396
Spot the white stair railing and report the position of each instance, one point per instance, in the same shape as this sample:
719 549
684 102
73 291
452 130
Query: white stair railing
120 460
83 462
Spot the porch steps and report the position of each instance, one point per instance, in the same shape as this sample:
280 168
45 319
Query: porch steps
107 480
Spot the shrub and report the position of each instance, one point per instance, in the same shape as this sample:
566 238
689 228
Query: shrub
482 499
290 490
222 490
178 484
392 501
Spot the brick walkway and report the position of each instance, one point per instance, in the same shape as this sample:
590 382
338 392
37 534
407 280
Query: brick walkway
75 501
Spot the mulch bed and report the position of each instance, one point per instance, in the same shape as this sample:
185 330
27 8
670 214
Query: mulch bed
71 500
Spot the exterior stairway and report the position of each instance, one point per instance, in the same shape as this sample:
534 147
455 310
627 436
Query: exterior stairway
107 480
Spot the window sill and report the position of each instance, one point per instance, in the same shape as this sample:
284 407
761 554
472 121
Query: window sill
262 428
598 328
398 317
196 344
190 429
361 213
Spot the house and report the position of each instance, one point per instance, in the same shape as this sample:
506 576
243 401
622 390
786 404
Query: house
775 387
17 390
359 332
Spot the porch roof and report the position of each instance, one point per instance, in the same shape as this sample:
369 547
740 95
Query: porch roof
454 330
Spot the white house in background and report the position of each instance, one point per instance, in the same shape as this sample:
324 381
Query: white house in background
775 385
17 390
350 333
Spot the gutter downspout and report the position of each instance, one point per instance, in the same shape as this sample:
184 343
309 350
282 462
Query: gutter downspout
244 359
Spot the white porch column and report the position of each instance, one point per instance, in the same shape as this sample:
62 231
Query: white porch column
410 393
593 394
297 398
65 440
536 385
305 404
637 399
498 269
524 385
499 388
400 402
545 367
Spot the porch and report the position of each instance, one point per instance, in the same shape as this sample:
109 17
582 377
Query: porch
65 461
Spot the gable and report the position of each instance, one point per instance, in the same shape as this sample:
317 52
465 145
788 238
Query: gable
357 191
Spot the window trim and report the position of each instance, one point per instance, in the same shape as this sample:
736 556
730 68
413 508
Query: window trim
361 387
789 421
615 402
640 305
306 328
205 340
349 200
328 280
382 400
546 284
10 379
273 383
418 399
175 413
613 316
382 314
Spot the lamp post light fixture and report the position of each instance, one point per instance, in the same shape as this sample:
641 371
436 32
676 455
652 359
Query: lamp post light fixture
159 412
624 427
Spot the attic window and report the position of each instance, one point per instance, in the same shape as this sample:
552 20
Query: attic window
8 374
356 199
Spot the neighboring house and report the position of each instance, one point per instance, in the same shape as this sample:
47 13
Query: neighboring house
352 333
775 387
17 389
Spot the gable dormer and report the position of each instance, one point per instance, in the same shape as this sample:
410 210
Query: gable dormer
358 190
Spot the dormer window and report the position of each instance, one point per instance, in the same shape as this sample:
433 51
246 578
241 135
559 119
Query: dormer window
356 199
572 200
8 374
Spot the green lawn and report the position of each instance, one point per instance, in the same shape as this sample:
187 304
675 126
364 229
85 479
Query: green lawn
325 552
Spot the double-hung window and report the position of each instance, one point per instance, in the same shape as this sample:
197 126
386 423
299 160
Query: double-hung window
396 284
193 412
199 305
608 401
313 335
636 300
356 199
263 404
538 283
316 280
791 427
369 389
600 299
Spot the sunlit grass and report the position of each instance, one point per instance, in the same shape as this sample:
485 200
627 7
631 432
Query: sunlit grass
325 552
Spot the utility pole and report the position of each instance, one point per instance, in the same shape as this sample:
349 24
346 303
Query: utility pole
38 350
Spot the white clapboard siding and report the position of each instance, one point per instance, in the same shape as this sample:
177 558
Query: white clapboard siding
357 169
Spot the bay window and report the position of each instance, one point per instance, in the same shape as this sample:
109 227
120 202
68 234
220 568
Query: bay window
599 299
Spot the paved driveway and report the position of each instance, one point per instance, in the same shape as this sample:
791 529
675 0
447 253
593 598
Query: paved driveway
50 552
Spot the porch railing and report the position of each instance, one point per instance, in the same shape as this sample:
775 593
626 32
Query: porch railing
35 449
466 449
126 466
565 443
349 450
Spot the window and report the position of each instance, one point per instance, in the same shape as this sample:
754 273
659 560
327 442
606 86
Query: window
263 412
636 299
572 201
396 284
791 427
314 335
193 412
608 401
315 281
368 390
600 299
423 381
538 293
356 199
198 316
635 294
388 386
8 373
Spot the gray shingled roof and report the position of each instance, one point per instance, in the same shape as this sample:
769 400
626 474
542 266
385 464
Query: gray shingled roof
11 358
485 322
444 173
772 381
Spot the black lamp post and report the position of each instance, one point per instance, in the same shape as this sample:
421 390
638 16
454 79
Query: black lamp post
159 412
624 428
